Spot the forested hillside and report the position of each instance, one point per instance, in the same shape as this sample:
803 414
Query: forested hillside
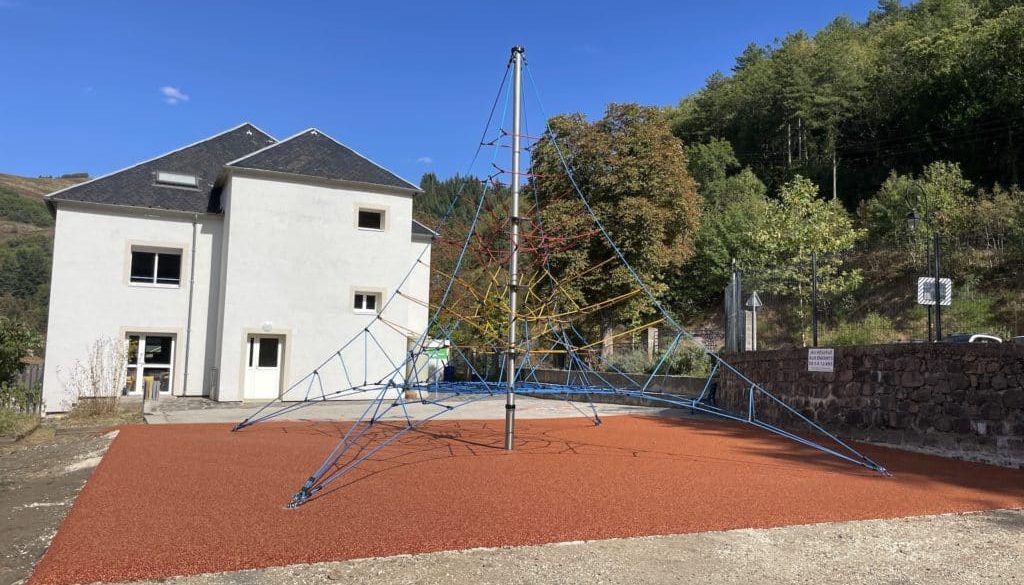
920 110
938 80
26 247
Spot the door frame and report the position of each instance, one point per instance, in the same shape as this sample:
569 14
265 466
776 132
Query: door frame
284 356
177 362
141 367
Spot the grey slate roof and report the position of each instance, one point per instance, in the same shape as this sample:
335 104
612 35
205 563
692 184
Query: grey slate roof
309 153
314 154
136 186
418 229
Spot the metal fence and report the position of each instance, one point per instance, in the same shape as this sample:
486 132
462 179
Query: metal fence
883 305
25 394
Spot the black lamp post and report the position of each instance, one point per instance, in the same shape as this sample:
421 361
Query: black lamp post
913 219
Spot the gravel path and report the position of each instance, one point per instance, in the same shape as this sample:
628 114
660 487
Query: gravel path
978 548
40 477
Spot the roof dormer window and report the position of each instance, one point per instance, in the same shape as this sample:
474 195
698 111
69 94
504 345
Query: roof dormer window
177 180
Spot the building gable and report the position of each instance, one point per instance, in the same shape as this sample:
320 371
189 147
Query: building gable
312 153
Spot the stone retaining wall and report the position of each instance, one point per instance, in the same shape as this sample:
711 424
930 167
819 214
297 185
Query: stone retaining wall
961 400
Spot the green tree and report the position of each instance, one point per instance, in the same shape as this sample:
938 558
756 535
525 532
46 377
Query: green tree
710 161
24 266
935 80
633 172
940 197
16 340
797 224
734 207
472 300
458 193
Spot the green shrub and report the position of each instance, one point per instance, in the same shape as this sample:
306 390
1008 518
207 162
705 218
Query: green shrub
13 399
19 394
13 423
687 360
24 210
16 341
25 266
630 362
683 361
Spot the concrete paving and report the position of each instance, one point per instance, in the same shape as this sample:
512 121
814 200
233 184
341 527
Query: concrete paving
177 411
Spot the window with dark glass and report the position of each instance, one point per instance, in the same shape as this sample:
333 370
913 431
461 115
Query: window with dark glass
365 301
150 360
371 219
268 352
157 350
156 267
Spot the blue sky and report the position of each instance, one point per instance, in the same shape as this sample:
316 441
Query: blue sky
96 86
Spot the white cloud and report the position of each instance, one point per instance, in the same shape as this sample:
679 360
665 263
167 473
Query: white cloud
173 95
425 160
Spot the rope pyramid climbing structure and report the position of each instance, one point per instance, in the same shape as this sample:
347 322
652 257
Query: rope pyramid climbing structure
516 290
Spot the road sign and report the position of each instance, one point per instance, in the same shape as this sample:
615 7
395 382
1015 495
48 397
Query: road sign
926 291
821 359
437 353
754 301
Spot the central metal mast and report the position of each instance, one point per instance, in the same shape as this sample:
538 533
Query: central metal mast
513 263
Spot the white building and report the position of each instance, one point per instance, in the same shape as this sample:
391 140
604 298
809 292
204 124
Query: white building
233 265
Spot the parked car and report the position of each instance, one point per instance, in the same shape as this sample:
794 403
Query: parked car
972 338
1019 340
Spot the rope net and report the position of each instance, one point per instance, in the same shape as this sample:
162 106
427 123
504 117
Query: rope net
574 288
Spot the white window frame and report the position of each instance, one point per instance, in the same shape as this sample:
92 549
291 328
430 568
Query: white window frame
141 366
157 252
376 295
178 180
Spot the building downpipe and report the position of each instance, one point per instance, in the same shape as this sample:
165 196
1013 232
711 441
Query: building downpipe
191 295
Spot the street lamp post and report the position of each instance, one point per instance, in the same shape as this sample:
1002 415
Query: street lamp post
814 299
913 219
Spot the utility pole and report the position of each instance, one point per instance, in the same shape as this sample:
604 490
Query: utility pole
929 323
513 263
814 299
938 288
927 259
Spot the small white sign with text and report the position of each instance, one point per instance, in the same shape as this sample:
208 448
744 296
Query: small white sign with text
821 359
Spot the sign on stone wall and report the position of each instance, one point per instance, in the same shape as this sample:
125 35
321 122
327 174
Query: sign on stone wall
821 359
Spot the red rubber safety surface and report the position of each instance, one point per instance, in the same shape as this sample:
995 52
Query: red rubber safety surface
184 499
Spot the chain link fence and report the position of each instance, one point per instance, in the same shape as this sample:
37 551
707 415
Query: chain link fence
872 296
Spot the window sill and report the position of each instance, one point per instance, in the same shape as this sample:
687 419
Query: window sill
366 229
364 311
153 285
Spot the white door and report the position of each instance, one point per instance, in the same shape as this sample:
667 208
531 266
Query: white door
263 367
